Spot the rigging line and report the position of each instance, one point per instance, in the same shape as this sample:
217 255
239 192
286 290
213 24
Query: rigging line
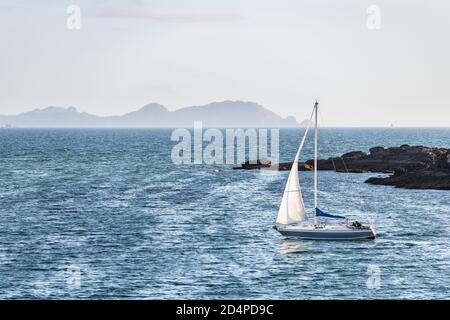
322 121
321 118
345 166
361 198
297 155
334 166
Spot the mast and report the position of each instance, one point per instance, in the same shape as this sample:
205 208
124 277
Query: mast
316 108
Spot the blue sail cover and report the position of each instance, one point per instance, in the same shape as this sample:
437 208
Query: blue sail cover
320 213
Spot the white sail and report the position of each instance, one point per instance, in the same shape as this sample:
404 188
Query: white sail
292 209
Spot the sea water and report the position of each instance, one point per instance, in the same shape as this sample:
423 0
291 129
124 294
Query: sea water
104 213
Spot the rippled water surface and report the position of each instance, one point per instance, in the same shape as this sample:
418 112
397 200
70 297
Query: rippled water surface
106 214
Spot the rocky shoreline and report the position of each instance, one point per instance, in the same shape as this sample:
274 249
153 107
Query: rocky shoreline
410 167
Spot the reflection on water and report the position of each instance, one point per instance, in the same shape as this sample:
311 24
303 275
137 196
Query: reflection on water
288 246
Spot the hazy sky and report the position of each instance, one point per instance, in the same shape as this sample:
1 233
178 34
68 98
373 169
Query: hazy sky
282 54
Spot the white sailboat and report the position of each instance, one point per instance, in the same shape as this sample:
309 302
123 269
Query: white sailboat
291 219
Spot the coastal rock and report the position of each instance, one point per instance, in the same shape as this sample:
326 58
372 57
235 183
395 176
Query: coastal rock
438 179
399 171
352 171
255 164
435 173
412 167
444 161
268 165
354 154
375 150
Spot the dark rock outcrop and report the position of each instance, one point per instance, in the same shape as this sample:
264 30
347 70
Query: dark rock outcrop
438 179
412 167
258 164
376 150
354 154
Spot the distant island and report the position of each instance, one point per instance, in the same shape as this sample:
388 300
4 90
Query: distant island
217 114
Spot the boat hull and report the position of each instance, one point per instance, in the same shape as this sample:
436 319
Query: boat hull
328 234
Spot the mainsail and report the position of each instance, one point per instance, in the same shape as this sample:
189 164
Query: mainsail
292 209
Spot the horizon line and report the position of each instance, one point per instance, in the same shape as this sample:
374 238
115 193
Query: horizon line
228 127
